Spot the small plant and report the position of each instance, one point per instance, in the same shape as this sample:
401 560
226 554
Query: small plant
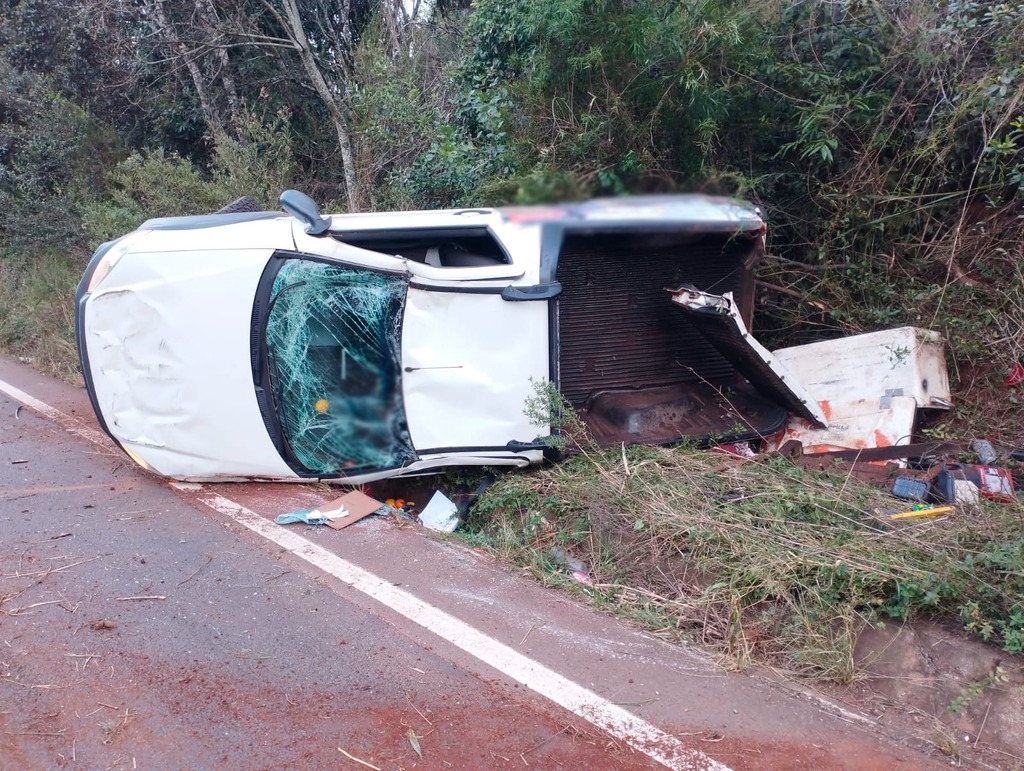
547 409
113 727
974 690
945 743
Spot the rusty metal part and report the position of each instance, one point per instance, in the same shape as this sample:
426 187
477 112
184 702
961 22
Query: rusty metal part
618 327
918 450
667 415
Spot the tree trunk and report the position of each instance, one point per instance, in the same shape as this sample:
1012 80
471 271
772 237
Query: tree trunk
170 37
227 76
333 101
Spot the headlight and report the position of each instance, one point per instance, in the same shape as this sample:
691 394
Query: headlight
110 258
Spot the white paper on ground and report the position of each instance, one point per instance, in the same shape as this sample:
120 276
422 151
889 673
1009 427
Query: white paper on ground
440 514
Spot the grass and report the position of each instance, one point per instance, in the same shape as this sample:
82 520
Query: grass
758 559
37 300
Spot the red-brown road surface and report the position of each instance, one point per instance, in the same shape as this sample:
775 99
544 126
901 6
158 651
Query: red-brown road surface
143 625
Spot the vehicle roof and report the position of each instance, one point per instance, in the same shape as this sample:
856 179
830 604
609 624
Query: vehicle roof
637 212
642 212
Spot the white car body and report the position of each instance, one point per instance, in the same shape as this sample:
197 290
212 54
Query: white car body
170 345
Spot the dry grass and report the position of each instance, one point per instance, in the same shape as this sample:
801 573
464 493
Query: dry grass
37 300
761 560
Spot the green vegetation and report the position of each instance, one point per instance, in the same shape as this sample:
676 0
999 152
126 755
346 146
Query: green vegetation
760 559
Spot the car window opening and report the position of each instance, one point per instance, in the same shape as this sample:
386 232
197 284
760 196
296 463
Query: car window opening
440 250
333 336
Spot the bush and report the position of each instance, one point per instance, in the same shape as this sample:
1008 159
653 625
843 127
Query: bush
160 184
51 153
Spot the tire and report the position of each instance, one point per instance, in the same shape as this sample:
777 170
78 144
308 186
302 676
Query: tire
244 204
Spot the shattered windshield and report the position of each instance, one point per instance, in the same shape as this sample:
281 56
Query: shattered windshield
333 336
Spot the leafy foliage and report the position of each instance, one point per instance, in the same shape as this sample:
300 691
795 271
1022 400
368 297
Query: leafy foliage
895 189
50 152
161 184
760 558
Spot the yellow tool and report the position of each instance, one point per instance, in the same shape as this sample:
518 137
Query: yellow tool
922 513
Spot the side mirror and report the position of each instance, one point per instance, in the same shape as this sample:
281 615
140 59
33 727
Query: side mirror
303 208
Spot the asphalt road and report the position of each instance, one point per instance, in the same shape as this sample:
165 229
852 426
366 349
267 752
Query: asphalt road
148 625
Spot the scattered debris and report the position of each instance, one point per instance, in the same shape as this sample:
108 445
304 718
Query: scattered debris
350 508
922 513
559 555
984 450
337 514
440 514
739 449
1016 375
532 627
111 728
209 559
910 488
990 481
582 577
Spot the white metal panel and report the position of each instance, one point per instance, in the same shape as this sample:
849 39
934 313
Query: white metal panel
855 424
760 366
906 361
252 234
167 337
468 362
325 246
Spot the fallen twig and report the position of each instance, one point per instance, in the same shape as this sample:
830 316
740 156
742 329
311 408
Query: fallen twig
87 656
35 733
407 698
983 721
357 760
51 570
19 611
9 679
543 742
532 627
52 537
142 597
209 559
643 703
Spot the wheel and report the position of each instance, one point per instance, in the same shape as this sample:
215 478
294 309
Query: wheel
244 204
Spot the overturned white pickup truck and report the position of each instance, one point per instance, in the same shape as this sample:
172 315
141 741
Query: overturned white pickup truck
261 345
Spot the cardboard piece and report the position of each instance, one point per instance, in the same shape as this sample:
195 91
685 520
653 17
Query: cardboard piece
349 508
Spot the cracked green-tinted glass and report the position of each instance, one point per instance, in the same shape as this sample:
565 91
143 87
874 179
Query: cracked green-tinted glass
333 340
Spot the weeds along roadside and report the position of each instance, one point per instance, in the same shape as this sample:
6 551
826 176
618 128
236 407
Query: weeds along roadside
37 300
758 559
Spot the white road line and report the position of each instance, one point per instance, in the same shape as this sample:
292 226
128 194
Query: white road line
66 422
611 718
637 733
